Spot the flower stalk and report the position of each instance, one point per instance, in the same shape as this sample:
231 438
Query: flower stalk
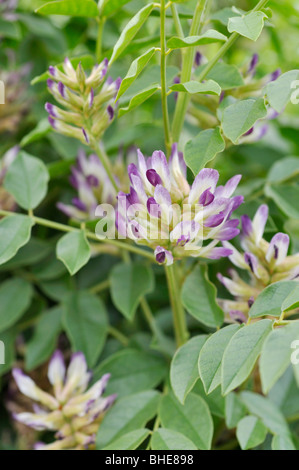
167 131
179 318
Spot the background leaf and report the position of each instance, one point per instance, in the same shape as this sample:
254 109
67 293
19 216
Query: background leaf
203 149
74 251
167 439
15 232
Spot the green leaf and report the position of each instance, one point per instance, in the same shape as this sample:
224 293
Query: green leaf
267 411
208 88
184 367
285 197
85 321
128 414
250 26
132 371
235 410
282 443
135 70
42 129
226 75
130 441
242 353
9 29
199 298
27 180
210 37
270 301
84 8
74 251
44 339
15 232
224 15
240 117
203 149
129 283
211 355
130 31
8 338
251 432
138 99
110 7
15 299
284 169
276 354
193 419
292 300
279 92
167 439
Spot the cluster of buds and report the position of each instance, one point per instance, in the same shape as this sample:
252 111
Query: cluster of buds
73 412
7 202
163 212
15 98
93 186
266 263
205 115
88 102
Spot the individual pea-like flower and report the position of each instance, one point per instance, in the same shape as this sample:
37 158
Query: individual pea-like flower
163 212
74 412
266 263
93 186
7 202
15 98
87 102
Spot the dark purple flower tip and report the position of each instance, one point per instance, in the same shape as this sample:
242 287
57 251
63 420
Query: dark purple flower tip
153 177
176 80
50 83
253 64
238 316
206 198
110 400
50 109
222 96
110 112
249 132
275 75
61 89
132 197
91 98
161 257
153 208
183 240
118 83
52 122
109 81
251 302
251 261
85 135
198 59
132 170
52 71
79 204
92 181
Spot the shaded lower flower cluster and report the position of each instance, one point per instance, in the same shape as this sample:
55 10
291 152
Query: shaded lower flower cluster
265 263
73 412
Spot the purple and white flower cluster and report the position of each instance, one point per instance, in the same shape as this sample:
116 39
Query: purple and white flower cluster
7 8
73 411
87 102
266 263
163 212
93 186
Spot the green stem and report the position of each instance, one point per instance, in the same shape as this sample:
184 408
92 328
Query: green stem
149 316
102 21
102 286
183 99
90 235
106 164
177 22
118 335
188 60
163 79
179 319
